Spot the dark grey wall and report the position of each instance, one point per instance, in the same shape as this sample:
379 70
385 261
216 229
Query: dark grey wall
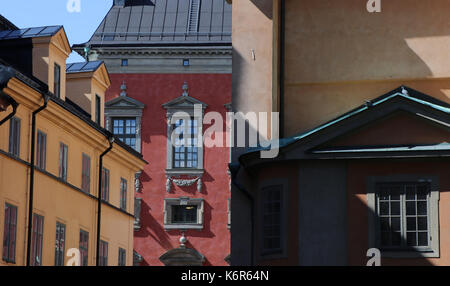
240 228
322 213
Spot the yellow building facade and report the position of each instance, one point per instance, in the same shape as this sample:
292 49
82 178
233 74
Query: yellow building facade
68 143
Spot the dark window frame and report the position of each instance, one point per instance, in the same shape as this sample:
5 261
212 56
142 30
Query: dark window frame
123 194
124 131
57 81
103 261
63 160
37 240
122 258
182 215
41 150
86 173
98 109
84 248
14 136
269 215
60 244
105 184
9 234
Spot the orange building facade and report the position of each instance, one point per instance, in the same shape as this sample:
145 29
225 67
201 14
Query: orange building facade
59 186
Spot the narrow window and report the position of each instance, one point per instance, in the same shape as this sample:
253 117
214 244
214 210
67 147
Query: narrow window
57 81
185 150
122 257
36 241
60 244
123 194
125 129
98 109
41 149
103 253
14 136
84 247
272 205
184 214
105 185
86 173
63 161
403 215
9 234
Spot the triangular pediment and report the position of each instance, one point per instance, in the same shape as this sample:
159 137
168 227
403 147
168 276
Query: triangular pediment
183 101
124 102
403 120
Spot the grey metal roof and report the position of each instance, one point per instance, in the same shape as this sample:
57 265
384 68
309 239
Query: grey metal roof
147 22
83 66
29 32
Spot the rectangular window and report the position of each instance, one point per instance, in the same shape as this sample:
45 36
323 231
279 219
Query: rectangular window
84 247
41 149
86 173
57 81
103 253
14 136
185 150
122 257
9 234
98 109
125 129
63 161
105 184
36 241
124 62
60 244
123 194
184 214
272 205
403 215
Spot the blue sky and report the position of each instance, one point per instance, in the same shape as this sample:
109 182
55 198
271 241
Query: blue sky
79 26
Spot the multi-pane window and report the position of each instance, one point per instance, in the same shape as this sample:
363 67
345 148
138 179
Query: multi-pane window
86 173
271 208
184 214
403 215
9 234
36 241
103 261
105 184
41 149
98 109
84 247
14 136
122 257
57 80
123 194
125 129
60 244
185 150
63 161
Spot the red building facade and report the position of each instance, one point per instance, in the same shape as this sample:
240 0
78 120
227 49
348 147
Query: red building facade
164 57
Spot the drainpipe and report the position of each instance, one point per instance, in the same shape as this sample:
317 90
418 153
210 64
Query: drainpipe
32 167
282 66
234 170
6 73
99 197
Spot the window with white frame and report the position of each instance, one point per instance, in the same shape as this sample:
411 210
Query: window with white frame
183 213
185 149
404 217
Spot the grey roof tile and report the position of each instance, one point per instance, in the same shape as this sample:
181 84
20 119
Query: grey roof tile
169 22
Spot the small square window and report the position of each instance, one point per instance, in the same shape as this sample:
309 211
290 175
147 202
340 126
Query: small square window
124 62
183 213
186 62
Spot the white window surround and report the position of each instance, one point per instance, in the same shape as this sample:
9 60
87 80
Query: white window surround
434 250
169 202
180 108
124 106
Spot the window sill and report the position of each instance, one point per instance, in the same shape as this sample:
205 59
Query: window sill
406 253
185 172
183 226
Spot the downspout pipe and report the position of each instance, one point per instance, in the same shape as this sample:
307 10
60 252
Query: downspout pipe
99 196
6 73
234 168
32 168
